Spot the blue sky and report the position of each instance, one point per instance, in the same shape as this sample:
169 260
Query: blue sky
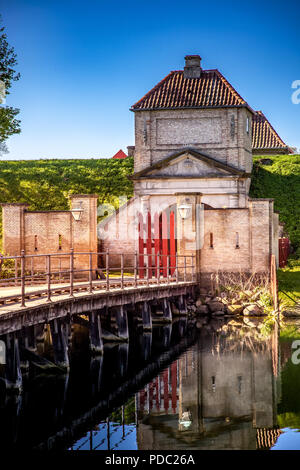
84 63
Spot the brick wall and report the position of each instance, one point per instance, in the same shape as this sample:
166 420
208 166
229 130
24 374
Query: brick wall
242 238
252 228
41 232
223 225
48 232
13 227
219 132
119 234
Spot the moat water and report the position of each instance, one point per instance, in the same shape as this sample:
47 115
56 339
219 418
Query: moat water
217 384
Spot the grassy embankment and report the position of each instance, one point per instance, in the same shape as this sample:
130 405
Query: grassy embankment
281 181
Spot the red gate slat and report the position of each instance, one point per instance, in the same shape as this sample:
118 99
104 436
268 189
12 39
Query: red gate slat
165 248
174 385
156 238
284 251
151 396
141 271
157 387
149 244
166 389
172 244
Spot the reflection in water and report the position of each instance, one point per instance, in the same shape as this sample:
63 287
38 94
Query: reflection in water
218 394
214 385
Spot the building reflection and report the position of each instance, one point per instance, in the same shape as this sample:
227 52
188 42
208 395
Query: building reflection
221 394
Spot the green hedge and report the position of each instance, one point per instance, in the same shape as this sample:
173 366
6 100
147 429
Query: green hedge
280 180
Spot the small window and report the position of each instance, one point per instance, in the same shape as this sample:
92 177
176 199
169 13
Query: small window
247 125
35 243
213 383
240 384
237 240
59 242
211 240
232 127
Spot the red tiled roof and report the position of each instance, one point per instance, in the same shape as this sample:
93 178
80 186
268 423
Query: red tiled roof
120 154
211 90
264 135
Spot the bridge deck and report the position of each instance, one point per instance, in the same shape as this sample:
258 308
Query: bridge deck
12 294
38 309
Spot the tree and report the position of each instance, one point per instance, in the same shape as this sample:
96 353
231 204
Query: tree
9 125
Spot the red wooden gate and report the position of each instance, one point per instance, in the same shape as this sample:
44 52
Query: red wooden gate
157 244
284 251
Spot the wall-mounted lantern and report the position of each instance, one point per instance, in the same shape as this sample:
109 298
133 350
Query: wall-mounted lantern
77 211
185 210
186 419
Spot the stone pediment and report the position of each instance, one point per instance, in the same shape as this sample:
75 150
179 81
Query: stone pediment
188 163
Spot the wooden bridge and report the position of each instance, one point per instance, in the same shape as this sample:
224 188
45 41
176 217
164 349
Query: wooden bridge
30 283
101 298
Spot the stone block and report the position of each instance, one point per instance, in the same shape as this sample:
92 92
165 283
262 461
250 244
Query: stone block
215 306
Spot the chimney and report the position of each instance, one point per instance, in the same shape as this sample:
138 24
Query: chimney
130 150
192 67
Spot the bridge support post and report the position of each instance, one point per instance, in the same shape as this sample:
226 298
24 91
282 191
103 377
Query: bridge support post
95 332
147 316
182 305
60 343
39 332
29 336
166 333
123 358
96 373
167 311
145 345
13 375
182 324
27 340
122 323
69 330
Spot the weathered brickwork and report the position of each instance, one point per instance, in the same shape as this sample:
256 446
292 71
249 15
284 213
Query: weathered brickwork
223 135
240 239
42 232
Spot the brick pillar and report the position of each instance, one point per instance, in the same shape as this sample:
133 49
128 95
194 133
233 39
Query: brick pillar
84 231
189 233
13 228
261 233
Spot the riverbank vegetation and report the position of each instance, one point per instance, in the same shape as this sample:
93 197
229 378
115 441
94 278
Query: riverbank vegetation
289 284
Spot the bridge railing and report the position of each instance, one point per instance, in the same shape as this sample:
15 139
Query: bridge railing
56 273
